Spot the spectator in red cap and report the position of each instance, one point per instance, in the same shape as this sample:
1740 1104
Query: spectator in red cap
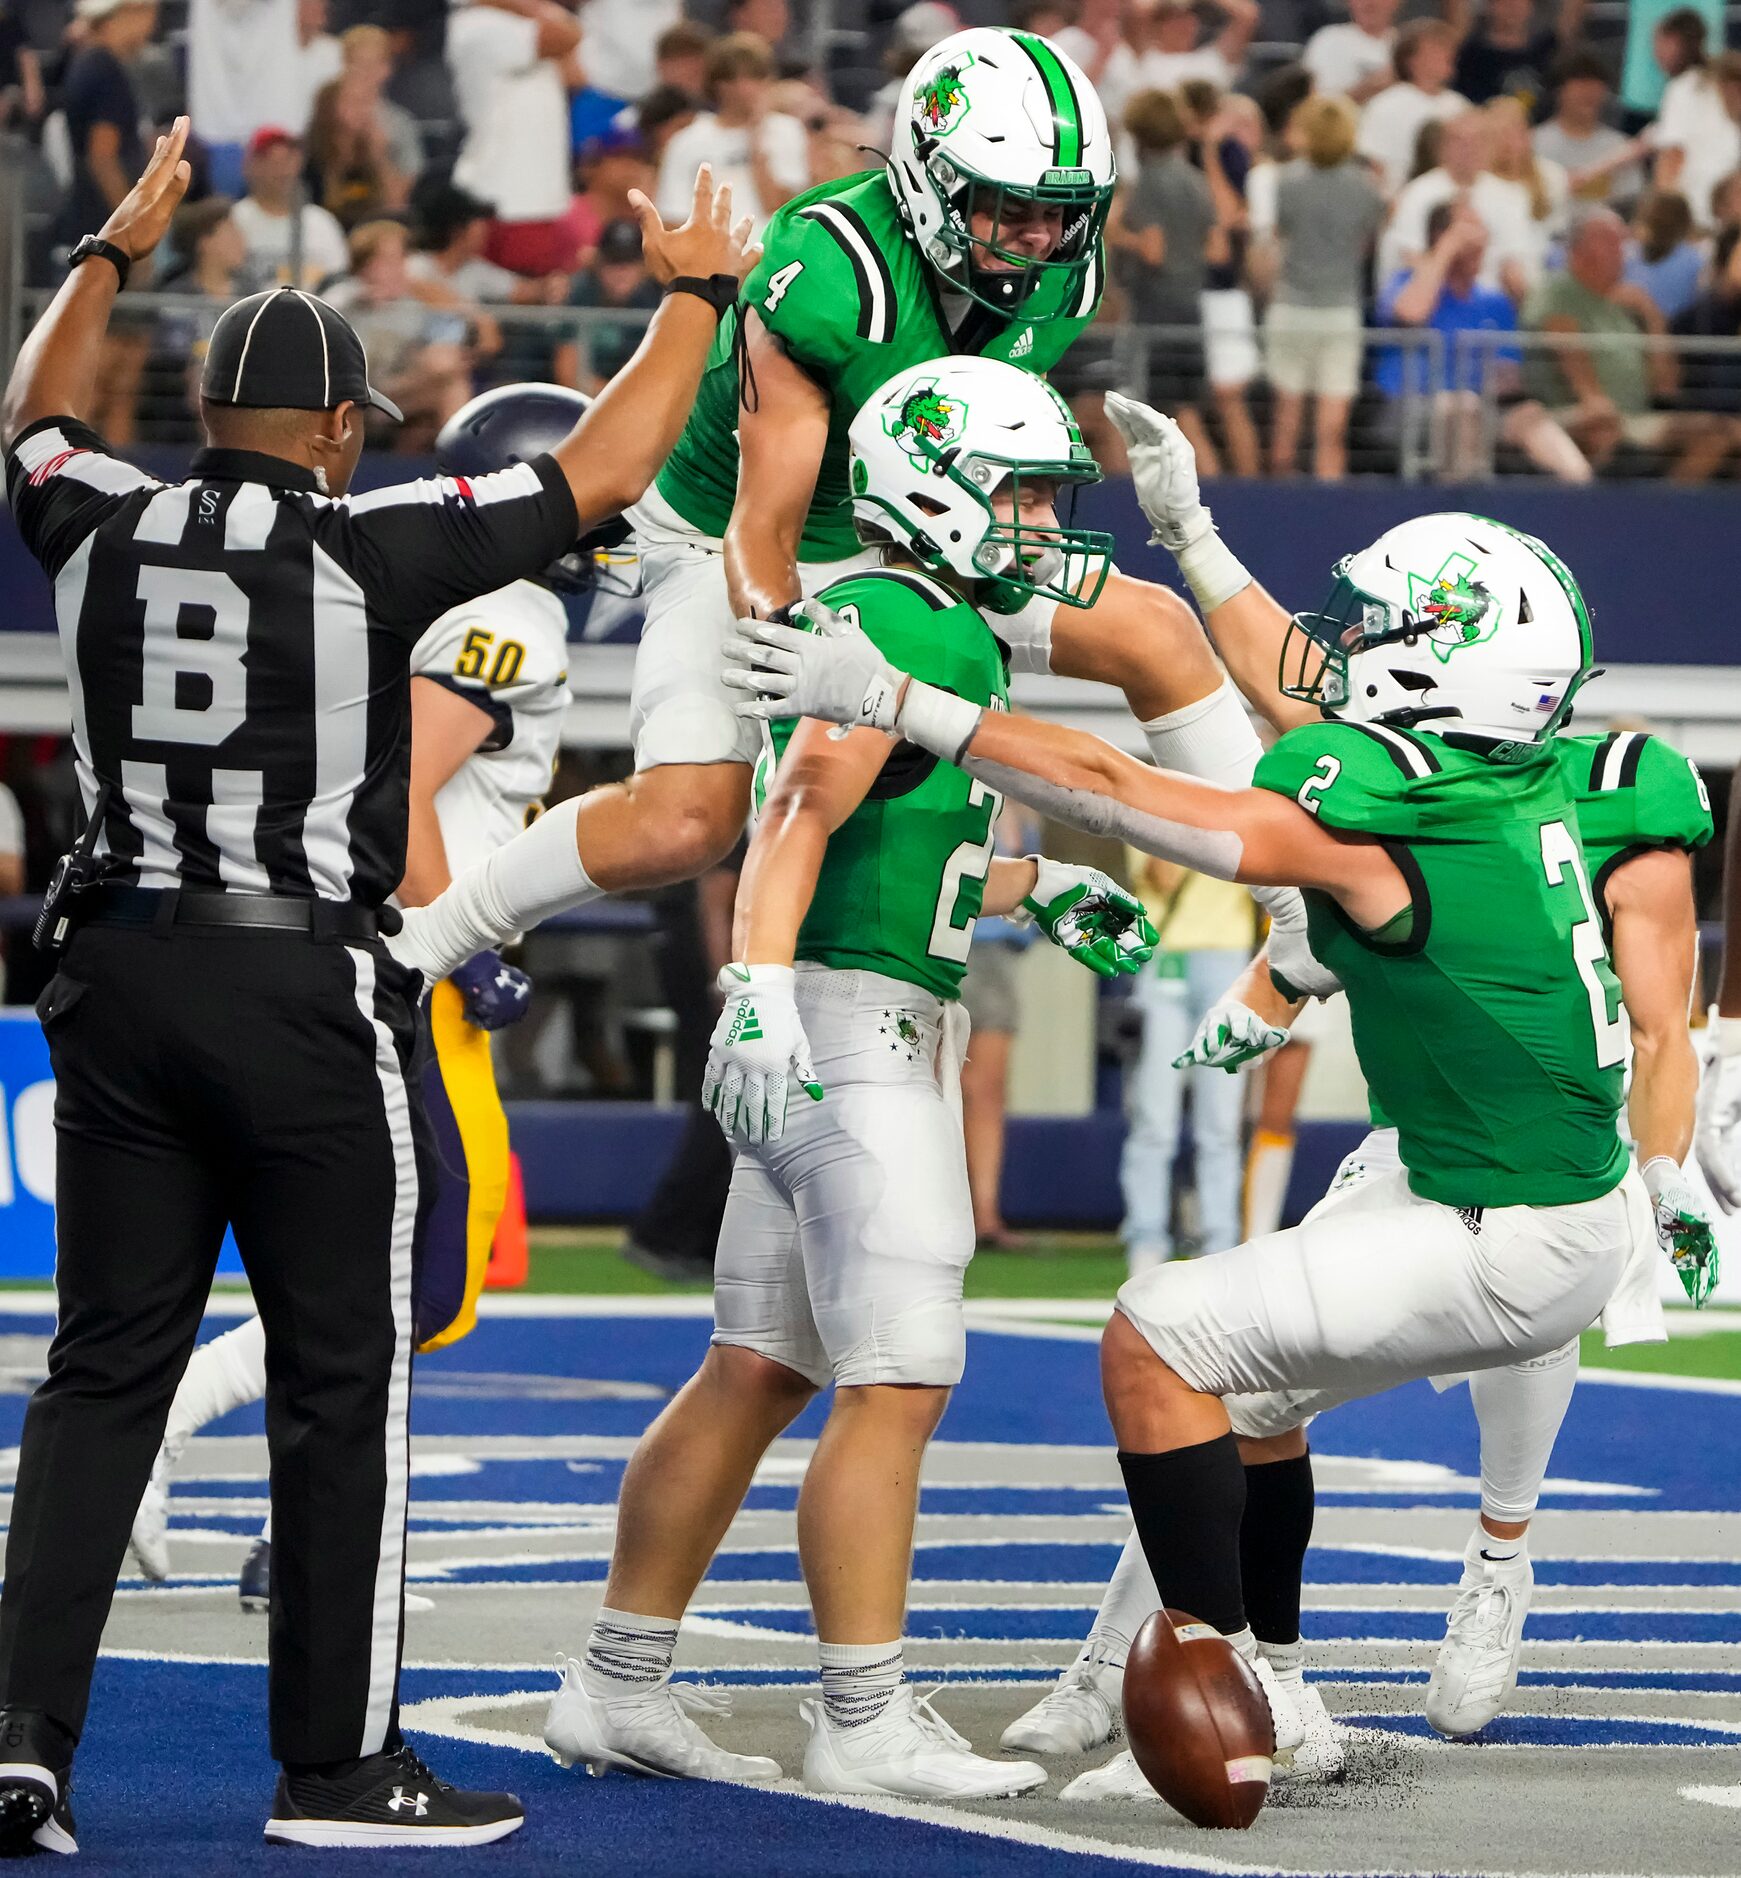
291 242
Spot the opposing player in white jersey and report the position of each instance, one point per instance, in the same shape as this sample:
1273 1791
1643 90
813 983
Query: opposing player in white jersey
489 688
1641 808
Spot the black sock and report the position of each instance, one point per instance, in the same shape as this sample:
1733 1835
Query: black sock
1273 1537
1186 1504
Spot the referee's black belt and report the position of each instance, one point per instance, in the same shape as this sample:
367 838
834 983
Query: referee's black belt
250 912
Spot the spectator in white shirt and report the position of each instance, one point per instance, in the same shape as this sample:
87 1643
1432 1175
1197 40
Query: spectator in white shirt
512 62
619 41
270 219
1425 56
1698 134
244 71
1351 57
1173 51
763 154
1513 157
1512 259
320 55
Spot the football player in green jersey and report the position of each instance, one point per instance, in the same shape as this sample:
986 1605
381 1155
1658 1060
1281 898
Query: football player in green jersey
1447 891
1642 808
981 237
835 1063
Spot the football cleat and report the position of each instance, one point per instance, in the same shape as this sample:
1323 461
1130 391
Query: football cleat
36 1785
1083 1711
1284 1717
1477 1666
1119 1779
149 1540
387 1799
254 1587
1320 1754
650 1732
909 1750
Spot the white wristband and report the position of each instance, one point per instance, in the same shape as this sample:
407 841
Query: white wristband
937 721
1656 1172
1212 571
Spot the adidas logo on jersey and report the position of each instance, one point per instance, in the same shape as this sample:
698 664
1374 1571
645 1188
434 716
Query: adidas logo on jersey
1024 344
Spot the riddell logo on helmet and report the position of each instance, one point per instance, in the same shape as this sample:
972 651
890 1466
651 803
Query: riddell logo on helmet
926 421
1461 611
941 101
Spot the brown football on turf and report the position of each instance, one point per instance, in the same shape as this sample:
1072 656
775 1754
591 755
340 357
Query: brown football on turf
1197 1721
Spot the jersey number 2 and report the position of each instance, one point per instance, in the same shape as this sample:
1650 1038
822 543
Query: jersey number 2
1561 855
970 861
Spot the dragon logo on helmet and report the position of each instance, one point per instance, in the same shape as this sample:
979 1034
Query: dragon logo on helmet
940 102
926 421
1461 611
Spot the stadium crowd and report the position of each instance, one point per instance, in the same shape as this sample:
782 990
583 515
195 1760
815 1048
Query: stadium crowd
1480 181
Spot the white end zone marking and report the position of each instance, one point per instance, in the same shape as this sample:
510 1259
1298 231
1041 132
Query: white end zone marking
1713 1796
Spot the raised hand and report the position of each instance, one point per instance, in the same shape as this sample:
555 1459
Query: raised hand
1089 915
820 666
706 244
1163 466
141 219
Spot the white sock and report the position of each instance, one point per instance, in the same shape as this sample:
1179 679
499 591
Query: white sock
859 1680
1520 1410
627 1655
1268 1165
1211 739
538 873
1129 1601
1245 1642
227 1373
1288 1660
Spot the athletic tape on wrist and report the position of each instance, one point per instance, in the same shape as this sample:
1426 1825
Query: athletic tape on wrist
937 721
1212 571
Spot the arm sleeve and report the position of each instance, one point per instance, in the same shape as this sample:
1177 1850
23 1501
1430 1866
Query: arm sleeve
63 482
420 548
1343 774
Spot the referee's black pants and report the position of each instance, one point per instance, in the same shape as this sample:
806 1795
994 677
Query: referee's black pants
259 1079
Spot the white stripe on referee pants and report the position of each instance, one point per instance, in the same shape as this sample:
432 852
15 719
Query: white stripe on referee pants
390 1572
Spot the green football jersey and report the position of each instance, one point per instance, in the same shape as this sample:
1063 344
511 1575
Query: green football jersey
1634 792
1489 1032
843 287
902 879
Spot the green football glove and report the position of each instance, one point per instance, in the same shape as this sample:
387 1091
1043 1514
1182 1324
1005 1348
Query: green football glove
1682 1229
1230 1036
1090 916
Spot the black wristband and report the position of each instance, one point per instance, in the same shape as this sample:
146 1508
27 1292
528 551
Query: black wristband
720 291
94 246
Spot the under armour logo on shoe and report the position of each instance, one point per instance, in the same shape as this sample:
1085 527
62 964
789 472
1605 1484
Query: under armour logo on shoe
418 1802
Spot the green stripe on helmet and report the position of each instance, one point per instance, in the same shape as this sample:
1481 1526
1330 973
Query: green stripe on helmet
1061 95
1564 575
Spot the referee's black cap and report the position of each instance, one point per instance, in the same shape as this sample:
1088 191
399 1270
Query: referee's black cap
289 349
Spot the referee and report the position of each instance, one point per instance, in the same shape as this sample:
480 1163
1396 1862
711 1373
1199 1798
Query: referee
231 1041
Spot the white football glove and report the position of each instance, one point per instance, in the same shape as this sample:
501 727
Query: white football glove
1290 952
1717 1139
823 666
759 1051
1163 466
1683 1229
1230 1036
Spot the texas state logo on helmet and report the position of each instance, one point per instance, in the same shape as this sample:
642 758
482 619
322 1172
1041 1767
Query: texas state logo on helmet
995 126
1455 618
936 444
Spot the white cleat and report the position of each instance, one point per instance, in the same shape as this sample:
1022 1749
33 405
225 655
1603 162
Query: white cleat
1477 1666
1284 1717
652 1733
1320 1754
149 1541
1084 1711
1119 1779
908 1750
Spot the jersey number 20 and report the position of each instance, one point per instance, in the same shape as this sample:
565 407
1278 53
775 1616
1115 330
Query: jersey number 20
1561 855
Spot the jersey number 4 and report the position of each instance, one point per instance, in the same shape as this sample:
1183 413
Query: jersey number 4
1561 856
778 282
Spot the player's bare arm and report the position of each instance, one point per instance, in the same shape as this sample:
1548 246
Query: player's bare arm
782 432
446 732
55 372
1656 946
615 451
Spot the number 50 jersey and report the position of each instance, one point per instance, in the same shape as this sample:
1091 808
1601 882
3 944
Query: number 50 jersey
1486 1016
507 653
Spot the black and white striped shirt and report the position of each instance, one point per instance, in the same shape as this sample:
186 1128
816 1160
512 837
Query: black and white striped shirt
237 649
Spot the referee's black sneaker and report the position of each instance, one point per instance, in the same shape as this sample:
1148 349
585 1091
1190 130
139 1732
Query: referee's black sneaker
387 1799
36 1783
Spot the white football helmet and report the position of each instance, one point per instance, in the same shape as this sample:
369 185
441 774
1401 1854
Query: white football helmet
930 449
989 118
1448 618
